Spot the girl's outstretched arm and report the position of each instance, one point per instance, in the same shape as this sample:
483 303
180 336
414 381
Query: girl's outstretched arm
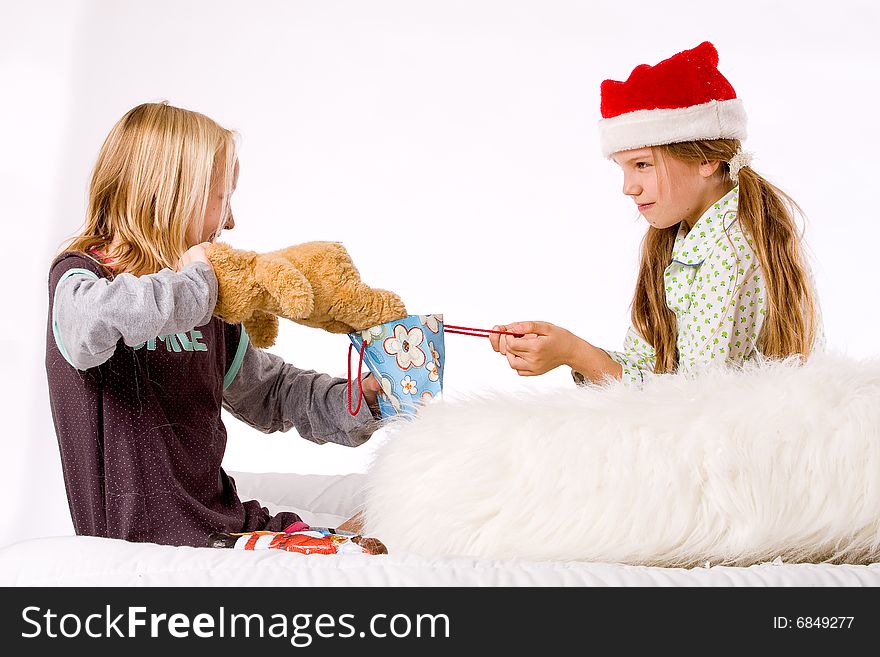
270 395
545 346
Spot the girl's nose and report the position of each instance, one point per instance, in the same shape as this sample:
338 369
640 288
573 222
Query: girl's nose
631 187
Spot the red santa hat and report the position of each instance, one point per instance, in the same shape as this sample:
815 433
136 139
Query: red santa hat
683 98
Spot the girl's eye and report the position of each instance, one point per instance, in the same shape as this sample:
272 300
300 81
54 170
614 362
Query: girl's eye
642 165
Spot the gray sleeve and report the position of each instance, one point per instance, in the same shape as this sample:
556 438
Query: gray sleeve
91 314
272 395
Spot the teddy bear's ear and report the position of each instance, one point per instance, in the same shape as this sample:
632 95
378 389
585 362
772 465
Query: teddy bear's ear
262 329
290 293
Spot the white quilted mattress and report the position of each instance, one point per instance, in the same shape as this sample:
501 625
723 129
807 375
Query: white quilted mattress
326 501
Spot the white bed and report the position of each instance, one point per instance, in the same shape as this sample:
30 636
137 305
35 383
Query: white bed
327 501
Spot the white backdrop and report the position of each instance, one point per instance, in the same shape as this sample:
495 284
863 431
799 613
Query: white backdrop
462 131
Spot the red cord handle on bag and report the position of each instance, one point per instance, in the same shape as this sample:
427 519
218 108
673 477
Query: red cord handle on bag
477 332
360 388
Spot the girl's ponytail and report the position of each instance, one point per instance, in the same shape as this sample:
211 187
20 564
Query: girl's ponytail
767 214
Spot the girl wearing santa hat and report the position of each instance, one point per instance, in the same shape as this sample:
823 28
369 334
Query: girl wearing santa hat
723 277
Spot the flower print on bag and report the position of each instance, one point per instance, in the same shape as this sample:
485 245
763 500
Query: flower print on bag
370 334
435 355
427 396
404 346
432 322
409 386
388 392
406 357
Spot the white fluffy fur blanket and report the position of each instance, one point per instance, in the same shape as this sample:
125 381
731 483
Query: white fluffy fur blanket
733 467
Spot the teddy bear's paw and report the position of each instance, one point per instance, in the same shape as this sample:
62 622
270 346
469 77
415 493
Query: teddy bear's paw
326 324
262 329
362 307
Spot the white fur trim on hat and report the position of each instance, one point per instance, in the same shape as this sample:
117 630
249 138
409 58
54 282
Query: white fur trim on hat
717 119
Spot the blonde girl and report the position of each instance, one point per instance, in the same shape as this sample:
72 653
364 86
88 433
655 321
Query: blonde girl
722 277
138 369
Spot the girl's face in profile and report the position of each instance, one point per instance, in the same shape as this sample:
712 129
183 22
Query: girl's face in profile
665 190
218 201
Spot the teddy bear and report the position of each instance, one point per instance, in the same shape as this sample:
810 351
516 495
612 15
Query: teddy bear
315 284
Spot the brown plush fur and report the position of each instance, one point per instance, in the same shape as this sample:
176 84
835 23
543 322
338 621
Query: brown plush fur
315 284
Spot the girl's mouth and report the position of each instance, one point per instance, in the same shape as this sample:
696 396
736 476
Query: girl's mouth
644 207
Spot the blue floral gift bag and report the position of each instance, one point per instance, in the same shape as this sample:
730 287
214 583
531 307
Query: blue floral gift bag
406 357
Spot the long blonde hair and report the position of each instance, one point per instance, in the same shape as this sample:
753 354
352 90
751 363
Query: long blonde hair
152 179
766 214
